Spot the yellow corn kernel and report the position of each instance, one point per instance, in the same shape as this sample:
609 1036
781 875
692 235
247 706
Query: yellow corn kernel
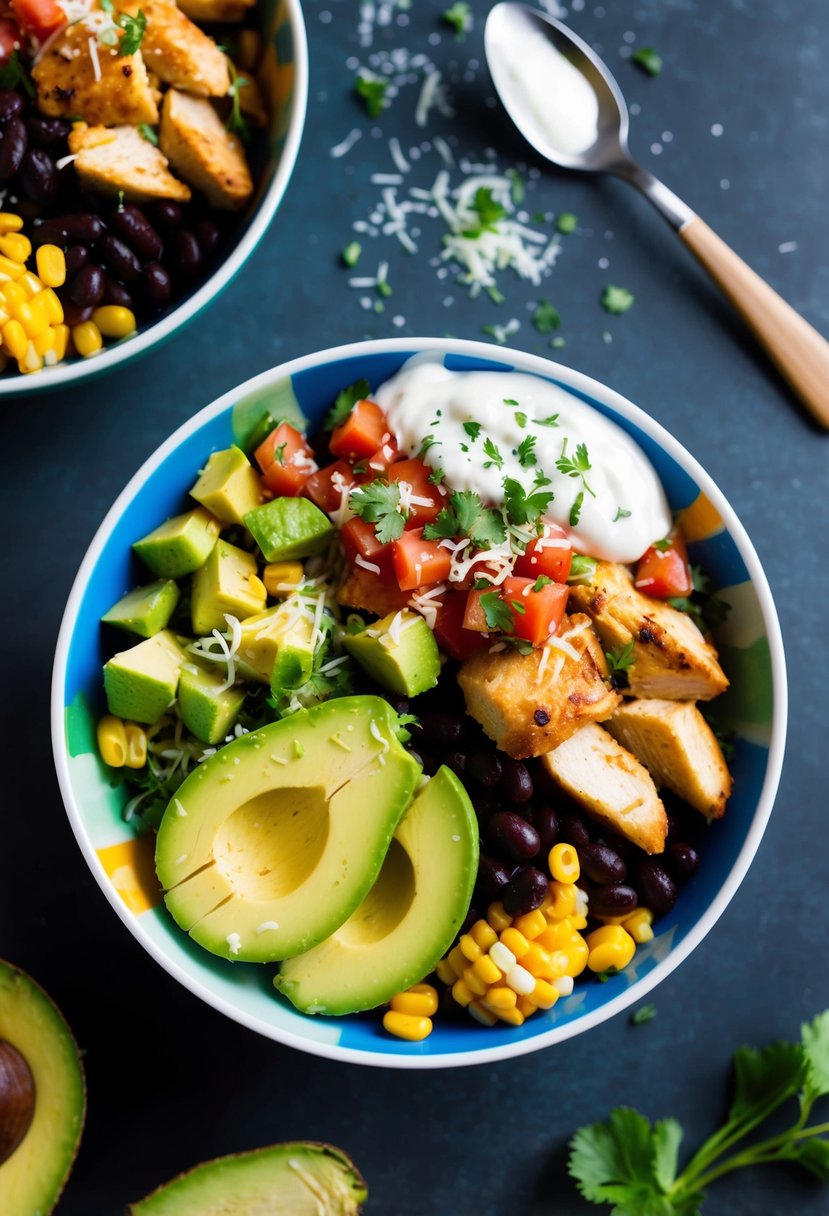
564 863
51 303
638 925
481 1014
87 338
14 339
555 936
30 283
559 962
61 341
280 578
544 995
114 321
4 316
515 941
13 269
458 961
526 1006
579 921
473 982
498 917
51 265
483 934
469 947
610 946
538 962
560 901
404 1026
500 997
531 924
257 587
44 342
514 1016
136 745
462 993
577 952
487 971
419 1001
32 317
9 222
15 246
31 361
112 741
564 985
446 972
13 294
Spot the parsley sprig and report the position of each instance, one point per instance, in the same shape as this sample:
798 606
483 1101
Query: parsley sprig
379 503
631 1163
465 515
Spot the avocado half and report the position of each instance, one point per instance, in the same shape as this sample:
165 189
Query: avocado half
271 843
297 1179
42 1097
409 918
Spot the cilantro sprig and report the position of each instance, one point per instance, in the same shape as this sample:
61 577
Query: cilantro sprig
465 515
344 403
488 210
379 503
236 123
372 89
631 1163
620 660
459 16
616 300
545 317
577 465
497 613
132 29
523 507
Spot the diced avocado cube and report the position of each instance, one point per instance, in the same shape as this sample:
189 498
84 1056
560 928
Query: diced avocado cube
207 708
294 658
399 652
276 648
146 610
289 527
180 545
226 583
228 486
141 683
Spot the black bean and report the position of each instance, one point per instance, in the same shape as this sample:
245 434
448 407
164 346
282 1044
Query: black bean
456 761
572 829
493 876
11 103
80 229
484 767
673 823
186 257
13 141
613 900
156 287
132 224
166 214
516 781
545 822
120 259
47 132
76 257
400 705
429 761
682 858
73 314
208 236
601 863
115 293
443 730
38 175
526 892
656 887
87 288
513 836
469 920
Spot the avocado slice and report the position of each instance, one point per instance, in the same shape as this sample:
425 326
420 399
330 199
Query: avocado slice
270 844
207 708
227 582
285 528
301 1179
141 682
409 918
399 652
277 647
42 1097
146 610
228 486
180 545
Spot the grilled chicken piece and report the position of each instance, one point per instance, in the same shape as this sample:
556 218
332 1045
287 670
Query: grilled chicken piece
678 748
530 703
671 658
77 76
363 590
216 10
611 785
179 52
109 159
199 147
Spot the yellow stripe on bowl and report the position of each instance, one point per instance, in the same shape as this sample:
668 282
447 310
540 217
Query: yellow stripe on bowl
700 520
131 869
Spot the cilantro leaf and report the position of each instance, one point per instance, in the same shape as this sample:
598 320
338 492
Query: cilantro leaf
616 300
236 122
551 421
566 223
149 133
575 466
351 254
575 510
521 419
647 59
621 513
372 89
545 318
814 1037
704 606
465 515
628 1162
378 503
344 403
812 1154
620 660
524 508
436 476
495 457
459 16
497 613
582 568
13 73
765 1078
401 726
133 34
473 429
640 1017
524 452
542 581
488 210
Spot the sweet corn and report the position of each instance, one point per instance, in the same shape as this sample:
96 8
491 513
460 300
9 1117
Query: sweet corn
136 745
87 338
564 863
560 901
502 957
61 341
526 1006
638 925
500 997
556 936
564 985
30 283
404 1026
544 995
15 339
483 934
519 979
9 222
420 1001
114 321
44 342
445 972
13 294
513 1016
31 361
462 993
32 316
531 924
280 578
497 916
610 946
112 741
473 982
458 961
538 962
577 952
515 941
15 246
486 970
470 947
51 265
13 269
481 1014
50 301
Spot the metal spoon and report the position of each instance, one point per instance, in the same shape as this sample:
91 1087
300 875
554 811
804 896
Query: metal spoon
799 351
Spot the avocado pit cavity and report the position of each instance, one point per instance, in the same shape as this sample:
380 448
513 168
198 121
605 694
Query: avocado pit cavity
17 1099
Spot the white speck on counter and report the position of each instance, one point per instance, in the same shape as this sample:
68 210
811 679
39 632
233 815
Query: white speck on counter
725 184
628 36
787 247
607 337
234 943
604 263
656 149
717 129
398 322
325 17
635 109
667 136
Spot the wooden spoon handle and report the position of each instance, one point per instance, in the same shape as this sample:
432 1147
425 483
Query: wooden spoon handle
800 352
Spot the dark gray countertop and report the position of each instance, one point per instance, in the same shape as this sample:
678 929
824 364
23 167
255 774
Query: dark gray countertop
170 1081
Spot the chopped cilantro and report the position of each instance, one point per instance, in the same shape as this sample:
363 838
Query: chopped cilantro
372 89
521 419
524 452
378 503
551 421
575 510
566 223
429 441
705 609
481 584
401 726
524 508
351 254
518 607
149 133
542 581
663 545
488 210
621 513
510 401
494 294
518 192
465 515
13 73
647 59
345 402
473 429
582 568
436 476
237 123
120 200
575 466
494 456
497 613
616 300
459 16
279 453
620 660
545 318
643 1015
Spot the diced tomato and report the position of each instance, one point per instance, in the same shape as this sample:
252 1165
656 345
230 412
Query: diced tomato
360 540
543 610
286 461
39 17
457 641
429 498
362 432
326 486
419 562
474 617
664 571
550 554
9 38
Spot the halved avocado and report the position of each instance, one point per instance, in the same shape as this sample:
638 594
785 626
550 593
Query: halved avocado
409 918
301 1179
42 1097
270 844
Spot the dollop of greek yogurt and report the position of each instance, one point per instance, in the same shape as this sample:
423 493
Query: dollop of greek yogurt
610 501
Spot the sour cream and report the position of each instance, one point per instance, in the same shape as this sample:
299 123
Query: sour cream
623 508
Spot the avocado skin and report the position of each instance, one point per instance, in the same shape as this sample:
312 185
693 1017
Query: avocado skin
227 1185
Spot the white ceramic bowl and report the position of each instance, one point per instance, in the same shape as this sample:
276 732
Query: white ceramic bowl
755 707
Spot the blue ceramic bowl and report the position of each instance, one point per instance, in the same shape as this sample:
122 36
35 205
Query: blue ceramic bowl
750 648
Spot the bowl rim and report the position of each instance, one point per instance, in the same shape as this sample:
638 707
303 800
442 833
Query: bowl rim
570 378
158 332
